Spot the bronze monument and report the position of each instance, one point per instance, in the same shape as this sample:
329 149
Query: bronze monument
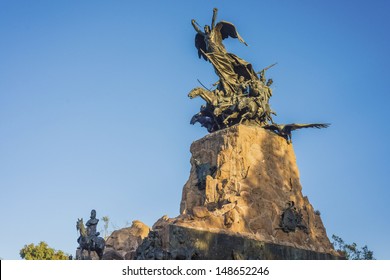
241 95
243 198
89 238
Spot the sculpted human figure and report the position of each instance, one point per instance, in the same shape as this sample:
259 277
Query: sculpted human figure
243 87
241 94
268 89
92 224
89 238
227 66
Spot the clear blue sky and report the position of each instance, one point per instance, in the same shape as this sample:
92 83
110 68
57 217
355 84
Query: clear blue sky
94 110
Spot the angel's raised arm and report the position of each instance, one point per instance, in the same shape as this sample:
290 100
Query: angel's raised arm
215 10
193 22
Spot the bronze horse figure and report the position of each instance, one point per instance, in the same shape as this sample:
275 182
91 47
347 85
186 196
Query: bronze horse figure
90 243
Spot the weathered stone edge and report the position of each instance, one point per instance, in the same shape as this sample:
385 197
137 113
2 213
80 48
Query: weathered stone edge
221 246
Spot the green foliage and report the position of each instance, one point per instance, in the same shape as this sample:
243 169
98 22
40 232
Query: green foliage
106 221
41 252
351 251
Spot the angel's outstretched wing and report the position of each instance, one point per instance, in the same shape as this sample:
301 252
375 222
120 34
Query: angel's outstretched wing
295 126
227 29
200 45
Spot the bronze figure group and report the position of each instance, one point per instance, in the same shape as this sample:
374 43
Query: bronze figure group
241 95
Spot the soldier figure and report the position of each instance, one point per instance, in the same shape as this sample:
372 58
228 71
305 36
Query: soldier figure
91 228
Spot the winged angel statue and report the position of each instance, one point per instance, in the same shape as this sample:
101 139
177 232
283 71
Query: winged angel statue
228 66
241 95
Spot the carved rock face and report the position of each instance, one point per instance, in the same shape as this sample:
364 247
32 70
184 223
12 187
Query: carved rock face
250 206
256 176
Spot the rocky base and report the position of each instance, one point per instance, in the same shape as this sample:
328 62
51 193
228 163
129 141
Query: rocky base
243 200
244 180
85 256
122 244
181 243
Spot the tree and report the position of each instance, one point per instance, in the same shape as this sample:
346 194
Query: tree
351 251
106 220
42 251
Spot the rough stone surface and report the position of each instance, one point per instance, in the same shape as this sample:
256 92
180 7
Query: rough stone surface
84 255
122 244
183 243
243 200
256 179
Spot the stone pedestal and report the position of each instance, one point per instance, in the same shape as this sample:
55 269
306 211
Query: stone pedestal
184 243
243 189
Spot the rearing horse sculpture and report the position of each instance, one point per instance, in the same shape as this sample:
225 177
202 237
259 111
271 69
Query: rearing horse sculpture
206 95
